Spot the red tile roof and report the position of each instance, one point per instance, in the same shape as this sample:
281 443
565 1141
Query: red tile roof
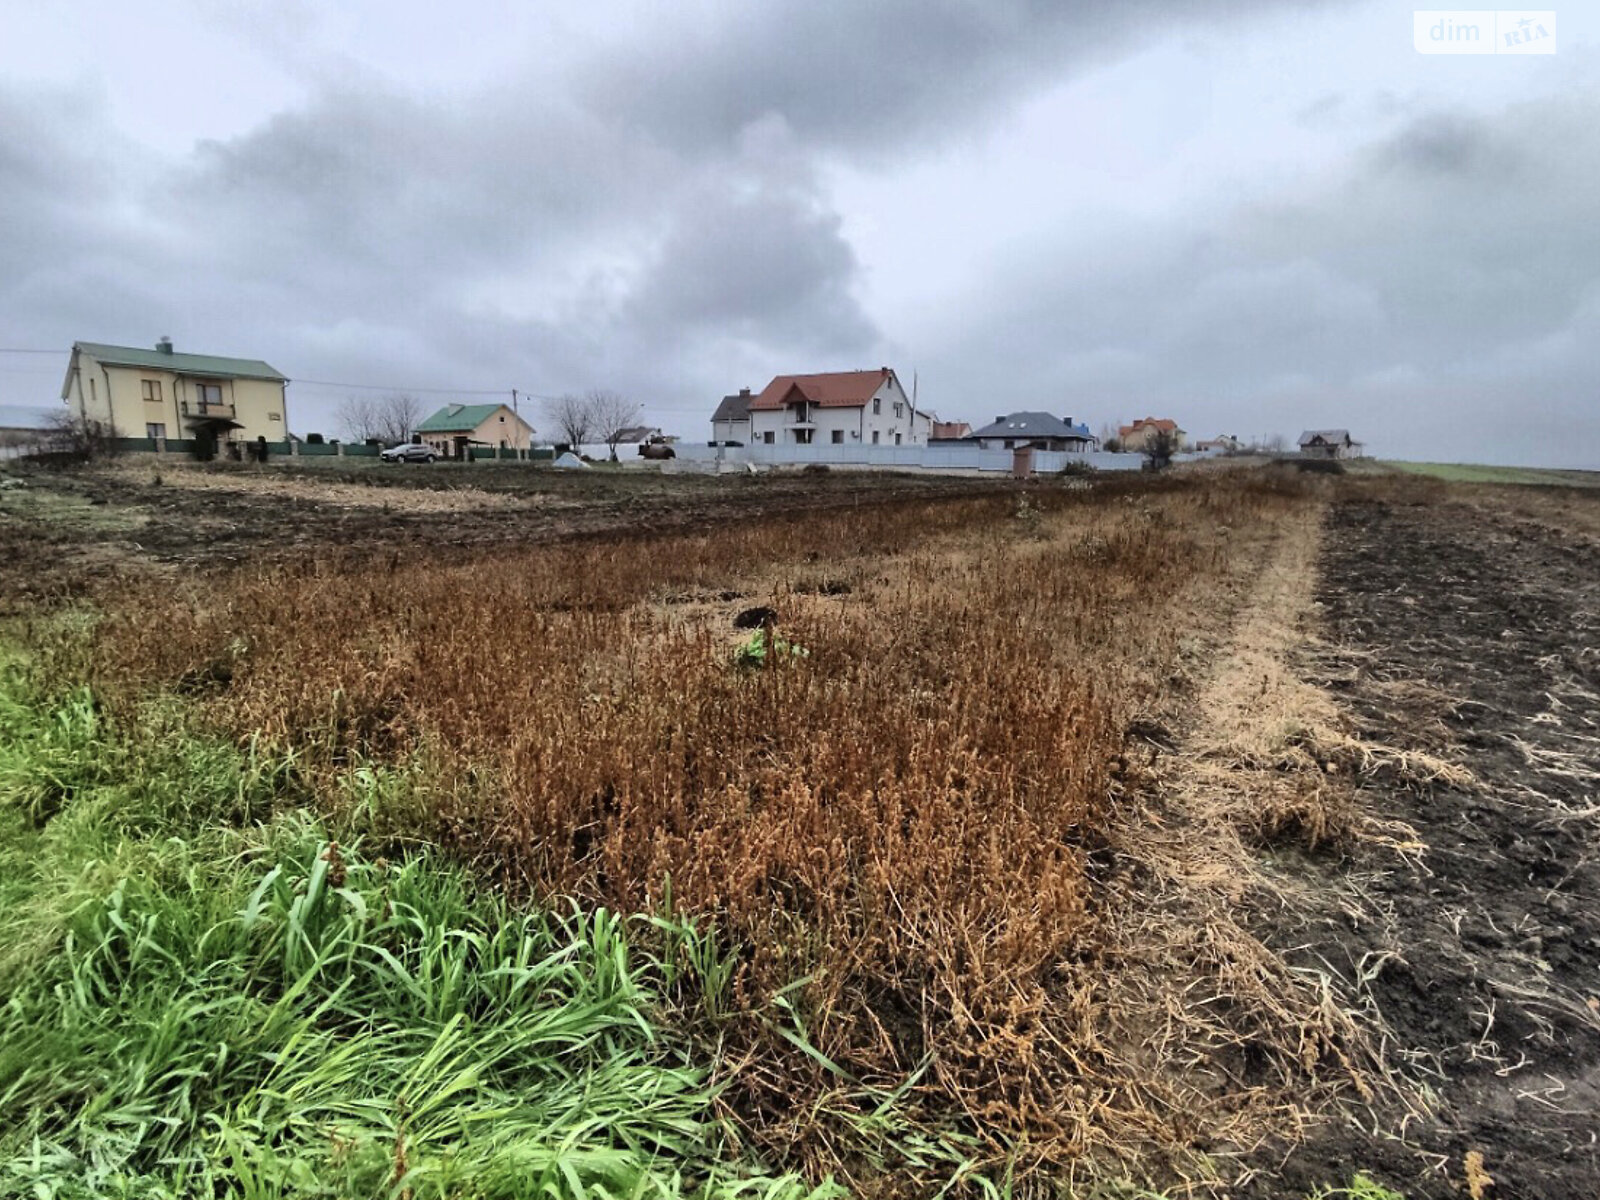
1149 423
834 389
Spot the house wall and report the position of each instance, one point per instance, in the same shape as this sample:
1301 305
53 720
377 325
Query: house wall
503 426
114 395
1137 439
731 431
1329 450
1064 445
857 425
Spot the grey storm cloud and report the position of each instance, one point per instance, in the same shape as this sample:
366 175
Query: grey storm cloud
1444 284
881 79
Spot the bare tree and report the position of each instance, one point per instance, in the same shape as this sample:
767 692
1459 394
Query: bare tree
572 418
388 419
611 415
358 417
78 437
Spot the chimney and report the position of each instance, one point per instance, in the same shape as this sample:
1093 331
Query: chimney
164 345
744 392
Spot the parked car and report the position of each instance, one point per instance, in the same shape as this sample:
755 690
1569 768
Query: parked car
409 452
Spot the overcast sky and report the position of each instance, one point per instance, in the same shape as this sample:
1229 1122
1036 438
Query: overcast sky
1253 216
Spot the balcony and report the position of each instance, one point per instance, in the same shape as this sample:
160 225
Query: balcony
202 411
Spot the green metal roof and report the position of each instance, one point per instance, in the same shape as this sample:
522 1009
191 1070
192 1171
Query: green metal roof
185 364
457 418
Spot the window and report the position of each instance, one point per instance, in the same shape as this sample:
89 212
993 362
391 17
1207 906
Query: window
897 439
502 419
151 389
838 436
877 405
803 437
874 437
899 409
767 437
155 429
210 393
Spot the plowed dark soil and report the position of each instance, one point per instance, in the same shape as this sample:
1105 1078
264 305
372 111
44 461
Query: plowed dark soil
1486 962
64 531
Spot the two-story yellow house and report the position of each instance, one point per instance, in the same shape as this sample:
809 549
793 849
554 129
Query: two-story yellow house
161 393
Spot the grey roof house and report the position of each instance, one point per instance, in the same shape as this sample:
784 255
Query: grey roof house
1041 430
1329 443
731 421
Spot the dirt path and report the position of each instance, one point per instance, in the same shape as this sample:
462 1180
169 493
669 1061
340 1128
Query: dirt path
1473 633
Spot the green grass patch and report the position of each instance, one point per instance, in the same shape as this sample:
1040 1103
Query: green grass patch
1481 473
202 994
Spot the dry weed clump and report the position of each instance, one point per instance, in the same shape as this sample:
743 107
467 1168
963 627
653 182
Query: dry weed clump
904 818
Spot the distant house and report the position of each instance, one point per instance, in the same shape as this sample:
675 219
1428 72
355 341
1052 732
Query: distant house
639 435
950 431
1040 430
1135 437
1223 443
1329 443
162 393
456 428
731 421
860 408
22 429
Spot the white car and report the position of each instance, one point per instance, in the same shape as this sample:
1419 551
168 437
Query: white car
409 452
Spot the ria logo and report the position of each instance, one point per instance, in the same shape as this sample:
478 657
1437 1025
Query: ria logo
1483 31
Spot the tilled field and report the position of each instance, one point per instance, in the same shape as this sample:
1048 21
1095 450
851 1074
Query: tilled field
1461 626
64 530
1229 833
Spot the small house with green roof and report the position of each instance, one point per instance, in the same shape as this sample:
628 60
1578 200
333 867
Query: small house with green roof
457 428
163 393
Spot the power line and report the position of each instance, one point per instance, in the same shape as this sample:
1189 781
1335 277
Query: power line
384 387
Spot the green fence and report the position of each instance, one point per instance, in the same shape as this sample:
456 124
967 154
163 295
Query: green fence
311 449
134 444
361 450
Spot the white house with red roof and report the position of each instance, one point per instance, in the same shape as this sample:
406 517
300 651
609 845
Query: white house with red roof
840 408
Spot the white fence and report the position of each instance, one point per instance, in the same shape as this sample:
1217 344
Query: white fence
933 457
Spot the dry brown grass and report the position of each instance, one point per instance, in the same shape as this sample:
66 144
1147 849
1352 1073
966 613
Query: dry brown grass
933 818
